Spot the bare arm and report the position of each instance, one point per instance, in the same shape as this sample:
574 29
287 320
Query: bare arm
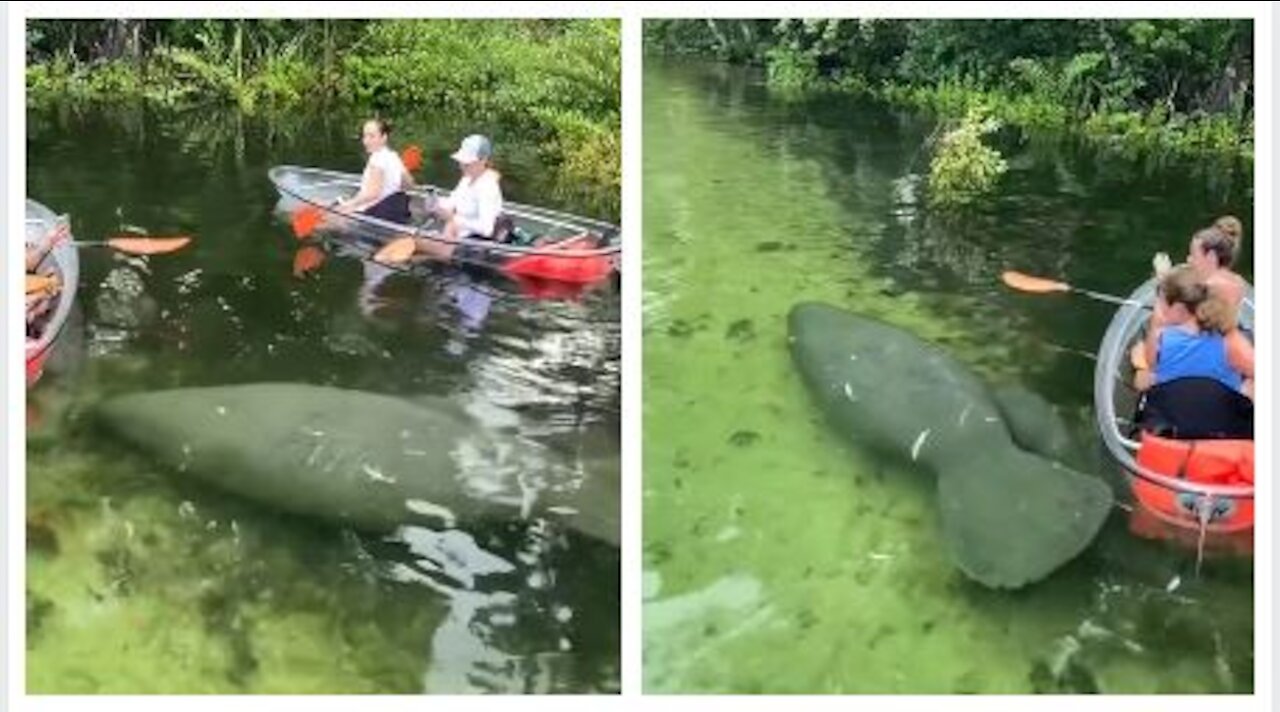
1240 353
370 189
1151 344
37 255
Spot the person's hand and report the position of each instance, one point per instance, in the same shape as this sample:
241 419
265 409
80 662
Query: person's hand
37 306
1161 263
442 208
60 233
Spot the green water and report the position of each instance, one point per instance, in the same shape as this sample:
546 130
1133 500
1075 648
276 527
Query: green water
779 559
141 582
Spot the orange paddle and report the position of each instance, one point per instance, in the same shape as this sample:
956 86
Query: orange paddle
305 221
141 245
398 251
129 245
411 157
308 259
1042 285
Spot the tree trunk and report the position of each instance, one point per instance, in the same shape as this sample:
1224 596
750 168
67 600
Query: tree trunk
114 40
328 56
238 50
1232 90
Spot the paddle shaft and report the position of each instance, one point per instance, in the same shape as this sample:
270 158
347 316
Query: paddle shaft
1109 298
1041 285
48 250
44 255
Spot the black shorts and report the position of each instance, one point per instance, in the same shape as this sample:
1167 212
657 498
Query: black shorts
393 208
1195 408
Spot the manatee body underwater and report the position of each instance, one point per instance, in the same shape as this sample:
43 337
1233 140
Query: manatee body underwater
1009 517
358 459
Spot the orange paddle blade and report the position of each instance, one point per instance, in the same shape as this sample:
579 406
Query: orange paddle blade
411 157
148 245
308 259
42 283
306 220
398 251
1039 285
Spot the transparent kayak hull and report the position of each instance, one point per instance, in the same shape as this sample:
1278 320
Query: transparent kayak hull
64 262
565 243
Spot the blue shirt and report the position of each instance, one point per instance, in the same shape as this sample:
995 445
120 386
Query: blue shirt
1183 354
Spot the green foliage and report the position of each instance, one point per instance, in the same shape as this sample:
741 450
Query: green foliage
792 69
727 40
558 81
964 168
1184 86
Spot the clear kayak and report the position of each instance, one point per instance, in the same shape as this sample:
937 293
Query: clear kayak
1193 492
63 262
538 243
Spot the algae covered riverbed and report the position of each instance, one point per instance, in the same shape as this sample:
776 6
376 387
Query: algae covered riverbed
779 559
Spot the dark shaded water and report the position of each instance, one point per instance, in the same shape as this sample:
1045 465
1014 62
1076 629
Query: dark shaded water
777 558
141 582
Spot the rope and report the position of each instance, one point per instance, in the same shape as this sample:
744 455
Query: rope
1204 514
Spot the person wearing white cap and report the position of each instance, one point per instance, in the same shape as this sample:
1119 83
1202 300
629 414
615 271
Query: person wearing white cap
473 208
382 186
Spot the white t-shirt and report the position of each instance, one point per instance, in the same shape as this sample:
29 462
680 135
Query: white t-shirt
477 204
392 168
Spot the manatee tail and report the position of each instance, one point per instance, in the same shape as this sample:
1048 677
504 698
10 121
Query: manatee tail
1011 518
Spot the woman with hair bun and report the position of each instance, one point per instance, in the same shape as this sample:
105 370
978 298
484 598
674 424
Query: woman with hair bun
382 186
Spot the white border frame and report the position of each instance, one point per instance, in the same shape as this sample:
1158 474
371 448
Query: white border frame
632 13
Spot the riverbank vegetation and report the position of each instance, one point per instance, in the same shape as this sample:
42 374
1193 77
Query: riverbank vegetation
558 81
964 168
1180 86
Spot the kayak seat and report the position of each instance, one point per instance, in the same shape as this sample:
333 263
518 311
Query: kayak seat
1196 409
508 232
504 228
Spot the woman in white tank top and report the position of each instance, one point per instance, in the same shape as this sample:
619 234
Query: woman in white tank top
384 180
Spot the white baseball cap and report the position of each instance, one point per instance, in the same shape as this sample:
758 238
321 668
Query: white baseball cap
474 148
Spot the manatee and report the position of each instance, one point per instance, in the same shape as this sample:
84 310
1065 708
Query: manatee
1008 517
368 461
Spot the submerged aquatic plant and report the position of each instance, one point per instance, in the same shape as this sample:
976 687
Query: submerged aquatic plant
964 168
